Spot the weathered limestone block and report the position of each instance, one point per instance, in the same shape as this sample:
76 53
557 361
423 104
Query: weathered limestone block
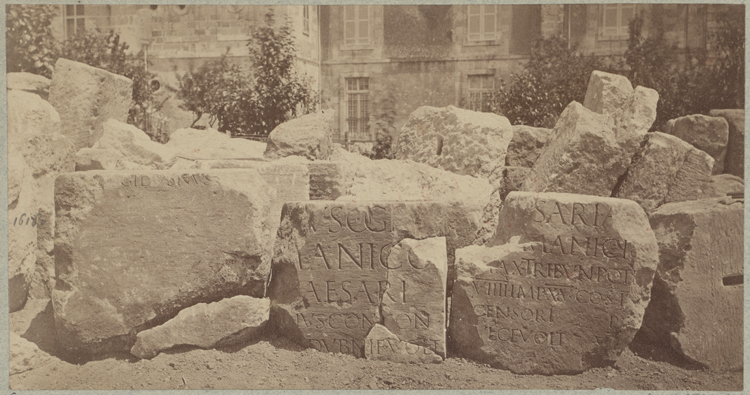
607 93
29 115
697 299
86 97
134 145
634 119
326 181
229 321
560 291
24 355
735 158
666 166
310 136
382 345
32 83
526 145
22 230
724 184
134 248
195 144
460 141
340 269
583 156
709 134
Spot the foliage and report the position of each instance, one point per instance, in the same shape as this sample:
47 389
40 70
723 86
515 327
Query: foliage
729 71
251 101
554 76
381 123
30 46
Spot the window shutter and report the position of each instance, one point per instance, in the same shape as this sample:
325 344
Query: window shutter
610 19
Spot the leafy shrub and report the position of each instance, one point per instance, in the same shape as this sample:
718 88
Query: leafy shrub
381 122
30 46
554 76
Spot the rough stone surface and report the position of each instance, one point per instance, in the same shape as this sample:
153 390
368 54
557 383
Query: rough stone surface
104 159
561 288
29 114
697 299
709 134
666 166
322 298
86 97
526 145
735 158
457 140
32 83
326 181
723 184
228 321
607 93
310 136
134 248
22 236
23 354
134 145
197 144
382 345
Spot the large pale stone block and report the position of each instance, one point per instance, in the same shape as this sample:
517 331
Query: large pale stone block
735 159
134 248
561 288
310 136
526 145
709 134
607 93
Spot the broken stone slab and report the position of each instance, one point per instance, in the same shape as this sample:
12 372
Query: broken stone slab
526 145
697 298
666 166
134 145
457 140
607 93
382 345
195 144
708 134
561 288
228 321
86 97
28 82
341 268
735 158
134 248
310 136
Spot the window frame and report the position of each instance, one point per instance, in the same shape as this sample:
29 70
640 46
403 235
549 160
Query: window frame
357 42
76 18
484 37
485 93
621 29
362 118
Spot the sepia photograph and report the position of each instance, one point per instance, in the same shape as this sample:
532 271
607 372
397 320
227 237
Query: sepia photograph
474 196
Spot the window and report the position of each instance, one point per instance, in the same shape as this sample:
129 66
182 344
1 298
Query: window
482 21
75 22
356 25
306 20
357 111
481 88
615 19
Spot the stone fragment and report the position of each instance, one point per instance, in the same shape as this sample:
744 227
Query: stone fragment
382 345
29 115
134 248
666 164
526 145
339 269
561 288
194 144
86 97
228 321
457 140
310 136
134 146
634 119
583 156
24 355
697 298
22 230
32 83
709 134
735 158
326 182
724 184
607 93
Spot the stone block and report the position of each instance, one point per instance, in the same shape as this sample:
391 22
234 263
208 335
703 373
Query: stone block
735 158
22 230
134 145
326 181
708 134
132 249
229 321
32 83
697 298
526 145
206 144
457 140
724 184
561 288
382 345
310 136
86 97
340 269
693 179
607 93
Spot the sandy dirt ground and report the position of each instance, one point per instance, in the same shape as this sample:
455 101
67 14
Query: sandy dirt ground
276 363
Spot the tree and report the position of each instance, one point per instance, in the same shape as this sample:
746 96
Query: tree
30 46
